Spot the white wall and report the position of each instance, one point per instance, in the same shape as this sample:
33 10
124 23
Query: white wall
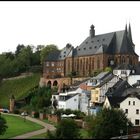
105 87
106 103
84 103
132 79
131 108
120 73
71 103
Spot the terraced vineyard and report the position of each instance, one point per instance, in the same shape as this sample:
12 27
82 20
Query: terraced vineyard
17 87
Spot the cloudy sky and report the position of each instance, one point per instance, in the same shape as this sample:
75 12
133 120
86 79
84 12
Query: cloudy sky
60 22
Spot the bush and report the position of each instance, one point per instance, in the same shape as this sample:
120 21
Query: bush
16 111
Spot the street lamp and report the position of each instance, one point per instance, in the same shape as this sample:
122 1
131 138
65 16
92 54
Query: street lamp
121 132
127 127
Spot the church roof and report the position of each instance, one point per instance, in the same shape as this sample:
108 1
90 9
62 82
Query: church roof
119 42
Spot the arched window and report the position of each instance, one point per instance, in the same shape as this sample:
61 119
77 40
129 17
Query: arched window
55 83
49 84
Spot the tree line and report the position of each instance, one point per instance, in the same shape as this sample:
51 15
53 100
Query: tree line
24 59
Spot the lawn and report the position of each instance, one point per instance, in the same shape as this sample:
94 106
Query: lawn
17 126
17 87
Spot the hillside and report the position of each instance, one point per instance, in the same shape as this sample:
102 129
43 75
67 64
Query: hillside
17 87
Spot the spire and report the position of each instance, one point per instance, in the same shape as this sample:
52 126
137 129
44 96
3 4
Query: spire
129 33
126 27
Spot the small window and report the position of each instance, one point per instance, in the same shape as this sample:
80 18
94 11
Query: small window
90 47
96 98
137 122
64 52
126 111
98 40
103 39
95 47
60 56
78 49
84 48
74 99
64 55
92 41
129 103
86 42
133 102
137 111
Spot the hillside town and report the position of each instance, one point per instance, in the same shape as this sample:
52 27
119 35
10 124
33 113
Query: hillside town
94 84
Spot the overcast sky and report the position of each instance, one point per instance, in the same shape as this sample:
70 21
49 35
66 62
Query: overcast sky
60 22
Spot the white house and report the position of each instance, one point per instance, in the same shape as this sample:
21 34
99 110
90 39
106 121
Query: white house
70 101
75 100
132 74
131 106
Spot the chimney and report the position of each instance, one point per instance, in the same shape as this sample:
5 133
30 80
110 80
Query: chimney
92 31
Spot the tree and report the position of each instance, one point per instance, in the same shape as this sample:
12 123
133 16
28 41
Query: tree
108 69
108 123
67 129
46 50
3 125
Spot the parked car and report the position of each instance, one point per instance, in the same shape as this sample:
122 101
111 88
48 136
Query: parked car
4 110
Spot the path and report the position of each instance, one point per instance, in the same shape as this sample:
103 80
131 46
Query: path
37 132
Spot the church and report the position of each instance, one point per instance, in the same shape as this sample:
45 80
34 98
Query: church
95 53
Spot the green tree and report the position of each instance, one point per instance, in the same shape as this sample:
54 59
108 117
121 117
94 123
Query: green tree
46 50
3 125
108 69
67 129
108 123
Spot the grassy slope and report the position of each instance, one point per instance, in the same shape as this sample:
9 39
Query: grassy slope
17 87
17 126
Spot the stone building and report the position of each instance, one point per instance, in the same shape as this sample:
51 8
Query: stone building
95 53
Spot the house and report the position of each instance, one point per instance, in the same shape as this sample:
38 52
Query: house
128 101
129 73
131 107
101 84
70 101
74 99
